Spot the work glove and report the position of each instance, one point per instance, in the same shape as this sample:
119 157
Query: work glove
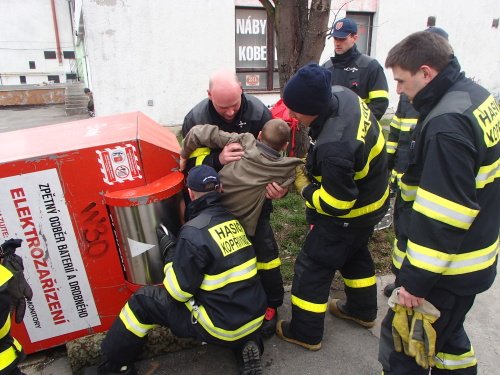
301 179
422 343
17 286
167 242
401 328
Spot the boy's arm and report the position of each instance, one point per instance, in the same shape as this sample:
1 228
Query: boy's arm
209 136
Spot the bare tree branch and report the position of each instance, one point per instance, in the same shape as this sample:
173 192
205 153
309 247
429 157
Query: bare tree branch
269 7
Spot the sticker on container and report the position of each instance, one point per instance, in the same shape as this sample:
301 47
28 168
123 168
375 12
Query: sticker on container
119 164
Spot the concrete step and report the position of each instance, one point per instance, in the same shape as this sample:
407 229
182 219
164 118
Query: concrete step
76 111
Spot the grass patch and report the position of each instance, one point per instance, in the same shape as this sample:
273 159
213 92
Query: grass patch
290 229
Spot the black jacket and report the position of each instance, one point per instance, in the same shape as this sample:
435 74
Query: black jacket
252 116
347 161
214 272
449 219
363 75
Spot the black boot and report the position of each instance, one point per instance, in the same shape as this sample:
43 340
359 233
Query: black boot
388 289
110 368
249 359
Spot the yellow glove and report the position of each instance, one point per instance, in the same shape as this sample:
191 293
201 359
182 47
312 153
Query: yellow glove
422 343
401 328
301 180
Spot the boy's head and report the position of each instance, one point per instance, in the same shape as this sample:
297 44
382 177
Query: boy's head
275 134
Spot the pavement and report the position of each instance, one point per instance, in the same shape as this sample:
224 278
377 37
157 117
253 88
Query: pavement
347 349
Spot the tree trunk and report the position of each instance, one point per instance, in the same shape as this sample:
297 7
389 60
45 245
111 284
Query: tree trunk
300 33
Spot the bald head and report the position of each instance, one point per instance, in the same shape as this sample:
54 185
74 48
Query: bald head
225 91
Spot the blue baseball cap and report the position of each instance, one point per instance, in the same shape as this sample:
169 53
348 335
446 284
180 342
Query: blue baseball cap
203 179
438 31
343 28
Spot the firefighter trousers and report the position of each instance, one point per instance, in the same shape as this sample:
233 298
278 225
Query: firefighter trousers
268 261
147 308
330 247
455 354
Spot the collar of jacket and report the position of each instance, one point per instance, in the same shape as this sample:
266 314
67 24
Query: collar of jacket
341 61
237 118
194 208
317 125
431 94
267 151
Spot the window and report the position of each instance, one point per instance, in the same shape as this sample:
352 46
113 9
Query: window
256 64
32 65
69 54
49 55
22 79
365 25
54 79
70 76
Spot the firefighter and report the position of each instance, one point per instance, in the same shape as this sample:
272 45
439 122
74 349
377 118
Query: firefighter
398 142
233 111
446 247
211 290
346 190
14 290
355 70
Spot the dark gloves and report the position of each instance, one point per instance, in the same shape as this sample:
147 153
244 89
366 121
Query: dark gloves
18 287
167 242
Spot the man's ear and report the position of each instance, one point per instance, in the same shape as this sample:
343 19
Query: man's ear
191 194
259 136
428 73
285 146
209 94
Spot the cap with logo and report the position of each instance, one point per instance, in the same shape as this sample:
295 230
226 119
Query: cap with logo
343 28
203 179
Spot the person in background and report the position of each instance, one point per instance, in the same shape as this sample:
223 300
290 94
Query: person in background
446 248
233 111
345 186
211 290
90 104
398 144
355 70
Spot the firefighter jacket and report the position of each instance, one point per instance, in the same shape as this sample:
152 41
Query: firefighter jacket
252 116
398 141
347 163
10 348
244 181
214 272
449 219
363 75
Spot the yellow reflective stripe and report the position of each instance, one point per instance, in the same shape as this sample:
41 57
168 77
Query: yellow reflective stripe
200 314
448 361
244 271
408 192
372 207
9 355
4 331
374 152
444 210
396 123
407 124
5 275
275 263
360 283
200 154
309 306
487 174
318 178
338 204
451 264
397 255
391 147
132 324
172 285
377 94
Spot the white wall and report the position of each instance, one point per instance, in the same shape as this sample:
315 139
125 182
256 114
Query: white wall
26 31
468 23
156 50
